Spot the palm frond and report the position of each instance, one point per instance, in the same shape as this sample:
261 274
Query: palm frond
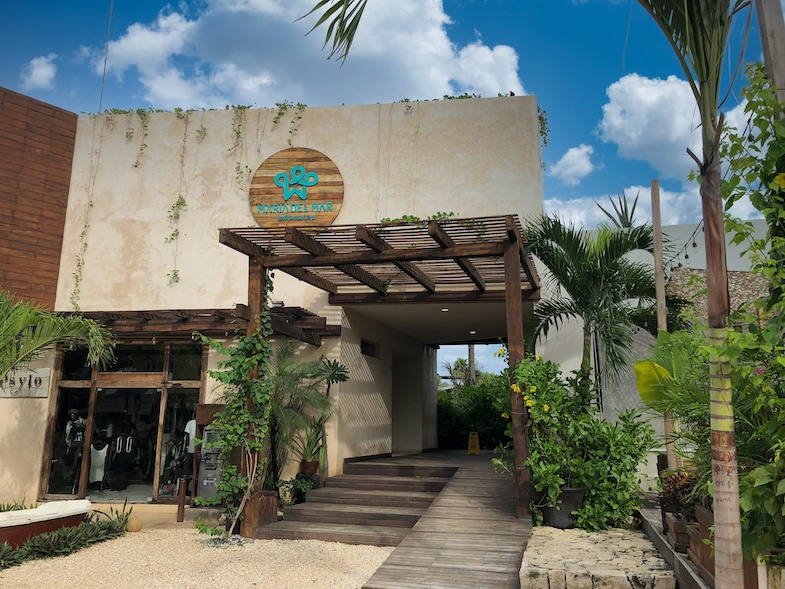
27 330
344 17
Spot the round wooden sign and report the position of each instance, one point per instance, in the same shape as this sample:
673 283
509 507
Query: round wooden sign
296 186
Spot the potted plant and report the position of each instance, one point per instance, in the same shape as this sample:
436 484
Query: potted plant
308 446
677 505
584 469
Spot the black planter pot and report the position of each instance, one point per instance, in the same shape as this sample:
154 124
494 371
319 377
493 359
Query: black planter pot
561 516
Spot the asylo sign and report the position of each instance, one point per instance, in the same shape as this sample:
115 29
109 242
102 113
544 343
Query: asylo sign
296 186
25 383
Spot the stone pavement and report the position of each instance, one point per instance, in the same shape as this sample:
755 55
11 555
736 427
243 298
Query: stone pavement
575 559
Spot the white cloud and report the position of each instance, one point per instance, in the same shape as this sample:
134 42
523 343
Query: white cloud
676 207
486 71
241 51
653 120
150 48
39 73
574 165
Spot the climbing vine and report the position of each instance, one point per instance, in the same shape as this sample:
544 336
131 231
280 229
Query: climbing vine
144 120
242 425
242 173
297 115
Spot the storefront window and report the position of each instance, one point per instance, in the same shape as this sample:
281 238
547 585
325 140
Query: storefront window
179 435
122 452
68 442
75 365
133 452
138 358
186 363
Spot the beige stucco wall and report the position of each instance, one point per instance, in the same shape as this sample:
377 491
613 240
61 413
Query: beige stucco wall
472 157
22 432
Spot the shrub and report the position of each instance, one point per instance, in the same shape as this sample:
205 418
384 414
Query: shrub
472 409
570 446
67 540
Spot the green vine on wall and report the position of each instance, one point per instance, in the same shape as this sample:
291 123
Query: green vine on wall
174 219
144 119
242 425
297 115
242 173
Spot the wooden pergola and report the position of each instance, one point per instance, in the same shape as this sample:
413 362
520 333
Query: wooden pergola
438 261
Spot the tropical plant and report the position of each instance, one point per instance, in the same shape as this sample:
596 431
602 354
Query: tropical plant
27 330
296 394
308 442
473 409
677 382
571 446
459 373
334 373
597 282
756 161
698 32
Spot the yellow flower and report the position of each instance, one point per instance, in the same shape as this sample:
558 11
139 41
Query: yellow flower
546 408
515 388
526 397
532 389
506 415
499 353
536 357
779 180
529 403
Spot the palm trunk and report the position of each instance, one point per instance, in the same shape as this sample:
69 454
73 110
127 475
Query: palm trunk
727 530
584 382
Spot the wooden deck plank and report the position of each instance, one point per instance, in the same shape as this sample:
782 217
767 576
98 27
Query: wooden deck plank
469 537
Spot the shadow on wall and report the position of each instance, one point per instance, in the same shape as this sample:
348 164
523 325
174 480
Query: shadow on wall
21 447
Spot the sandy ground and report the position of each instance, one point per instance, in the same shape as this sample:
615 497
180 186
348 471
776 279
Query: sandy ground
180 559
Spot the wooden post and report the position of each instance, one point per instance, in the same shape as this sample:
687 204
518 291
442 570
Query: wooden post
182 486
772 33
662 310
257 286
520 414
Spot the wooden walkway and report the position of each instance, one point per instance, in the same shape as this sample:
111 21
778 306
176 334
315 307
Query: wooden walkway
468 538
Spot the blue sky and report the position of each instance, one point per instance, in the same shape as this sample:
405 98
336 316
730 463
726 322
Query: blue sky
619 110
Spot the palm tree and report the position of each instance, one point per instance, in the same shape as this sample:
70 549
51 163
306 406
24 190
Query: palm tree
597 282
334 372
27 330
296 391
698 32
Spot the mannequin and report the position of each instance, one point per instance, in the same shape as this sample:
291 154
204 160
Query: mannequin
74 441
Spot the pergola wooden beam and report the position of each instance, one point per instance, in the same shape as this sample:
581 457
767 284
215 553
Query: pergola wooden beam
378 244
312 279
310 245
388 256
515 235
487 296
439 236
240 244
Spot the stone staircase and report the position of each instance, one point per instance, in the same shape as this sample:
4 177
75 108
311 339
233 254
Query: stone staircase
372 503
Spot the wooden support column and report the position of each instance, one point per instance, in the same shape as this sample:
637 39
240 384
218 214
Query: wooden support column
662 310
257 291
520 414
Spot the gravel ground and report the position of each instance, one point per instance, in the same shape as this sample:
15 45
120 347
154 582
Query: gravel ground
180 559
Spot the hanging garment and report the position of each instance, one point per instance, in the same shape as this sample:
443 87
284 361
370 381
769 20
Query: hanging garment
98 462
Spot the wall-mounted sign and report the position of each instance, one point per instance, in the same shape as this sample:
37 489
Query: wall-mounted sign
26 383
296 186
